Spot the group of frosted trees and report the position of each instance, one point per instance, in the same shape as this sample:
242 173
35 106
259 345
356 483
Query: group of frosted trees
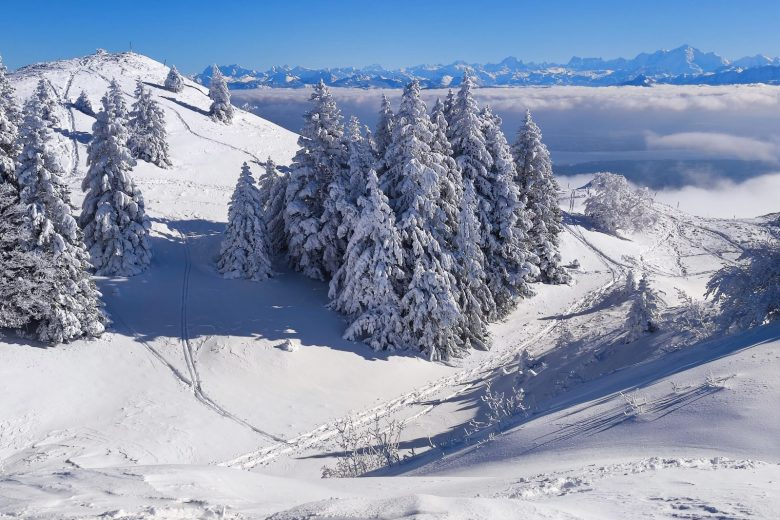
427 230
47 253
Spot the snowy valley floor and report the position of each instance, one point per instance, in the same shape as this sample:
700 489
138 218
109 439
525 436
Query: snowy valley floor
190 407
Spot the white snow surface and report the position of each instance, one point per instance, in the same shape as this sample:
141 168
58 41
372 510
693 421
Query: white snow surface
214 398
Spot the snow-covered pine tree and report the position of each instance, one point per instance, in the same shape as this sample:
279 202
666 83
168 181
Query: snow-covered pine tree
365 286
340 204
643 314
44 91
84 105
343 197
429 308
113 216
475 299
73 307
384 132
536 182
273 187
322 156
449 103
614 204
148 139
221 110
245 251
630 287
451 182
117 104
173 81
748 293
21 296
510 262
10 118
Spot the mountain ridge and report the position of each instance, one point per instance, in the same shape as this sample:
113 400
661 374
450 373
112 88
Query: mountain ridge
682 65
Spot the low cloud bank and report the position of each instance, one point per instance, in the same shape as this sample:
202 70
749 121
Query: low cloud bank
752 198
584 124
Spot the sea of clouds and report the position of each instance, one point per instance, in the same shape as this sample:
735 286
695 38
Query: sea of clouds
715 150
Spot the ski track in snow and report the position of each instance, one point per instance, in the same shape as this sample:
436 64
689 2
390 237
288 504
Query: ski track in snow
72 118
466 380
189 352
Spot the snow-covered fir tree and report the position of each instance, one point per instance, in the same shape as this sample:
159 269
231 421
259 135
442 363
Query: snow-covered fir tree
273 187
148 139
511 263
221 110
365 286
73 308
384 131
448 104
118 107
537 184
173 81
21 295
429 307
451 182
630 287
748 293
245 250
476 302
84 105
339 210
343 196
47 98
113 217
643 313
10 118
321 157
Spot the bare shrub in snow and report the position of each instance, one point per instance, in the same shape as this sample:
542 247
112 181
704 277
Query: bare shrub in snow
365 449
748 293
635 404
500 407
616 205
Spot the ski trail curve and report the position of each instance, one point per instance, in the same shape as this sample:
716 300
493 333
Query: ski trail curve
189 356
72 117
464 381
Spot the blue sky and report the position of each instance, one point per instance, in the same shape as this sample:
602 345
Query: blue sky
195 33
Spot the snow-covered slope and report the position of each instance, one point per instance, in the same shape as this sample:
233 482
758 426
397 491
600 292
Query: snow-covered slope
191 387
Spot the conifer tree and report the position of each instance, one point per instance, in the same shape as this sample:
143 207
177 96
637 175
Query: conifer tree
384 131
113 217
148 139
476 302
245 250
343 196
643 314
221 110
429 309
117 103
448 105
537 184
22 297
273 187
321 157
510 262
72 308
47 98
451 182
10 118
365 286
84 105
173 81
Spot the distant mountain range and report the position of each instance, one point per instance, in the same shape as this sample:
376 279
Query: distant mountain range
684 65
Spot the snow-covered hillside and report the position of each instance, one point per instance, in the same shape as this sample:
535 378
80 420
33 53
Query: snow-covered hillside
194 406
